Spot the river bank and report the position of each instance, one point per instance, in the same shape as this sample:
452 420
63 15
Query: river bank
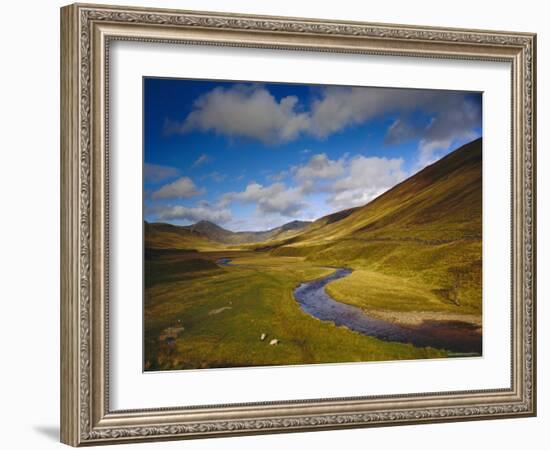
449 334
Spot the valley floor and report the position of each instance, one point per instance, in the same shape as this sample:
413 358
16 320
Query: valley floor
201 312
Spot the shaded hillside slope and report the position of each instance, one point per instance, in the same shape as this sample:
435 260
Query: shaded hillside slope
167 236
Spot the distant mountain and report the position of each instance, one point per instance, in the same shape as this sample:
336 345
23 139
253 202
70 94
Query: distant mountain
211 231
167 236
205 233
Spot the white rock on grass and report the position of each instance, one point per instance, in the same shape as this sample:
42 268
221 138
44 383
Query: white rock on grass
263 336
273 341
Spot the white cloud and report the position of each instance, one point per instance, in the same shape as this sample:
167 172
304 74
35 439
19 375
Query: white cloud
366 178
154 173
251 111
181 188
352 198
202 159
341 107
278 176
193 214
320 166
401 131
453 119
344 183
444 130
275 198
248 111
430 150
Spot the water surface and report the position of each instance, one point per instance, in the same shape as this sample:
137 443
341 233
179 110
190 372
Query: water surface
455 336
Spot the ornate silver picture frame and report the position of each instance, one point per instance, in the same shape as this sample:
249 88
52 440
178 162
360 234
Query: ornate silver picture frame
87 32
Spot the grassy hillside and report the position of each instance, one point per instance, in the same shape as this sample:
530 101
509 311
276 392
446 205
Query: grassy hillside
166 236
425 231
204 232
416 253
218 315
441 202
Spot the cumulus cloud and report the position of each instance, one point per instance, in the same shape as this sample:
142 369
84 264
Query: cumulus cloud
366 178
337 185
312 175
401 131
341 107
251 111
202 211
248 111
455 124
275 198
434 120
181 188
345 183
428 151
278 176
155 173
202 159
320 166
348 182
452 113
453 117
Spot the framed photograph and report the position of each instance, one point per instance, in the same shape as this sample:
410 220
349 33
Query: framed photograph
275 224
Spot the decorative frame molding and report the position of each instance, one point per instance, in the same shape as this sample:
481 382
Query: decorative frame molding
86 31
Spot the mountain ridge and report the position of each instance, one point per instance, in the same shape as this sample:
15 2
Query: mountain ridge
428 205
210 231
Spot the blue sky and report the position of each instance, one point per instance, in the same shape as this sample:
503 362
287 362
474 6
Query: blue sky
253 156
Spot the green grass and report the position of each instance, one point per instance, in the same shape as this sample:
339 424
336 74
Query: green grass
396 274
393 275
224 313
373 290
417 247
416 251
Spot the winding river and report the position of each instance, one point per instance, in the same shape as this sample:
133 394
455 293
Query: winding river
455 336
451 335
